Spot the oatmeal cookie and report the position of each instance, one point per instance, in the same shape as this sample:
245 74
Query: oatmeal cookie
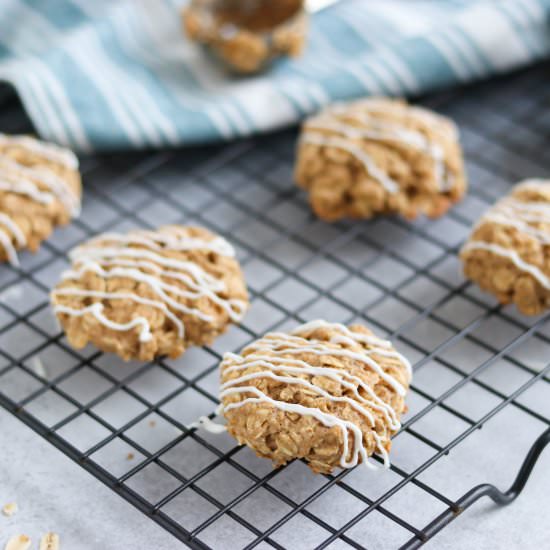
39 189
150 293
327 393
247 35
380 156
508 251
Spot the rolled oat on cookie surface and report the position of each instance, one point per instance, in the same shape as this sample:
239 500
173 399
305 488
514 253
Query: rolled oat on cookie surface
379 156
40 188
146 294
330 394
508 251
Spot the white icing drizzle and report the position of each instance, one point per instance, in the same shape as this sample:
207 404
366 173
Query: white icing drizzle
363 338
128 262
48 151
214 283
6 238
97 311
90 254
359 337
296 346
7 245
19 236
116 296
438 123
209 425
156 240
24 180
514 209
536 184
506 218
513 256
339 143
320 349
326 419
533 207
266 354
28 188
390 132
15 171
378 130
300 367
161 288
512 212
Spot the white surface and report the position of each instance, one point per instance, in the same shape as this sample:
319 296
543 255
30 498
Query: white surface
55 494
523 524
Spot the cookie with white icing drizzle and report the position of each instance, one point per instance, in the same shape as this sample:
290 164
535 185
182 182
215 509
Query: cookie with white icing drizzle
330 394
39 189
150 293
508 251
379 156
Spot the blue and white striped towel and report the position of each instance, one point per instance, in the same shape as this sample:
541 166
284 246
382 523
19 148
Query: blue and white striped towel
111 75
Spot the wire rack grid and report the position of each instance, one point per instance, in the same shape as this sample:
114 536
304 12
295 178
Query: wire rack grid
476 364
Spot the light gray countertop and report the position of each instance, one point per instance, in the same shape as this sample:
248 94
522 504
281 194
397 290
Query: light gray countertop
54 494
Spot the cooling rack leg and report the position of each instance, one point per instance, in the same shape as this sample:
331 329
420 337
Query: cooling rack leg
485 490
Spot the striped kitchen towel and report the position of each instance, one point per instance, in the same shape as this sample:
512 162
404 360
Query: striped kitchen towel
111 75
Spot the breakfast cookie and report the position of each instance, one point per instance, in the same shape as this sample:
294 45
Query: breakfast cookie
247 35
508 252
327 393
39 189
380 156
150 293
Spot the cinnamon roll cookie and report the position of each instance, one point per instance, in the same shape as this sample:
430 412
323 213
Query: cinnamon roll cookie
150 293
380 156
327 393
508 251
39 189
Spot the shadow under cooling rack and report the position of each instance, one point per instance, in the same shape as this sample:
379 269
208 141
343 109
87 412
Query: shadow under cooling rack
476 364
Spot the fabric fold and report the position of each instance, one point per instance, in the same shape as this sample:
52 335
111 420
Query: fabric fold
103 75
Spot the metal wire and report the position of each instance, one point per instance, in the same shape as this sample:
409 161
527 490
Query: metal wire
126 425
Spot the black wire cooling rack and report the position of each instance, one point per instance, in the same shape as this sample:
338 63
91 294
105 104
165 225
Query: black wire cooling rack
476 364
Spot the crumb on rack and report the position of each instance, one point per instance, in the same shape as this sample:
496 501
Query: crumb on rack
49 541
18 542
9 509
